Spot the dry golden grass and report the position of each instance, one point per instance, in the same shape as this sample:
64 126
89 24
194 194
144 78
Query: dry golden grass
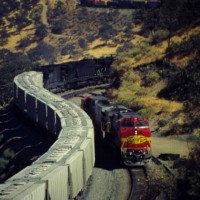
183 61
137 28
44 12
96 43
14 40
185 34
137 39
152 53
66 58
128 92
158 51
161 104
102 51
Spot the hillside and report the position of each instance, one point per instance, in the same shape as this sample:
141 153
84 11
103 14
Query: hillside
153 47
157 53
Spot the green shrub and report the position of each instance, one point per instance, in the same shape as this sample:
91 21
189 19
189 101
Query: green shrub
24 42
188 183
147 112
36 12
3 163
41 31
21 21
151 78
3 36
58 26
42 51
82 43
8 153
158 35
186 46
162 122
135 51
68 49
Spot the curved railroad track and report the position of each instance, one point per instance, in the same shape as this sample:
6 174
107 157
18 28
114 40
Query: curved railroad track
135 179
139 183
134 183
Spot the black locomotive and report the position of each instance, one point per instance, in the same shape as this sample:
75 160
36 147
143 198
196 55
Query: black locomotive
77 74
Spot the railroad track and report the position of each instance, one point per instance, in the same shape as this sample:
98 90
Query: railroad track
166 169
139 183
138 175
73 93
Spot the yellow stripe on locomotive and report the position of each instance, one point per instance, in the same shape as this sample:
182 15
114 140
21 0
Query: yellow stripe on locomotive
136 139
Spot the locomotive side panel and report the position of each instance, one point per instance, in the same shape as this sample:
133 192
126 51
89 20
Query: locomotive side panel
76 74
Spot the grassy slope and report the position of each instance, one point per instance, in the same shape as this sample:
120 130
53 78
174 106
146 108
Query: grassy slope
84 23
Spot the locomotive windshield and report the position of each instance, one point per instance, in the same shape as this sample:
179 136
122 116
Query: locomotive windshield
137 124
141 124
127 124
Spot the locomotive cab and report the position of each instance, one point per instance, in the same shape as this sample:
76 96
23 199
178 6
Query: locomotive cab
135 140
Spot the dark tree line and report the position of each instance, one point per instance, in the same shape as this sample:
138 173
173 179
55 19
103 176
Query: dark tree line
171 15
13 64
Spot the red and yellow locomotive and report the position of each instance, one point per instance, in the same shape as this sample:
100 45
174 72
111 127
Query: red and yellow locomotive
128 131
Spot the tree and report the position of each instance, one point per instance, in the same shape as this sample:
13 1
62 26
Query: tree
3 36
59 26
42 51
41 31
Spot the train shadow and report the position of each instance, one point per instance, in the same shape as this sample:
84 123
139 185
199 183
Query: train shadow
106 157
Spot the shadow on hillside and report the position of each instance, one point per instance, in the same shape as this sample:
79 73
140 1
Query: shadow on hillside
21 142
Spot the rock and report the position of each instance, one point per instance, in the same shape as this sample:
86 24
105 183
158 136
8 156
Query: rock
168 156
161 196
181 162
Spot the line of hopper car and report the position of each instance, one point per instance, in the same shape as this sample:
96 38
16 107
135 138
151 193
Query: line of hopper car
122 3
127 131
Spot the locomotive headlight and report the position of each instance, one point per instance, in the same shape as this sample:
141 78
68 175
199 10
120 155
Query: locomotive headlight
148 149
136 132
130 153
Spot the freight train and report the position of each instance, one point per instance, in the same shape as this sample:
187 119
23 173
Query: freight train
122 3
128 132
77 74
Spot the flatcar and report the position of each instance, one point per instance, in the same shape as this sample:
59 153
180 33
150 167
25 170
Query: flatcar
77 74
122 3
128 132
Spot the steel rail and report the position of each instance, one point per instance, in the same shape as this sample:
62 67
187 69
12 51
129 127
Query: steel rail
139 182
167 170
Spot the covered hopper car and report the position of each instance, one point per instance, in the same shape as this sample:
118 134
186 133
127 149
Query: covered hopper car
128 132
